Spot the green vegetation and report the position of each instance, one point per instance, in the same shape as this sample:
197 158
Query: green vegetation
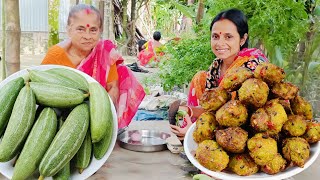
184 58
53 19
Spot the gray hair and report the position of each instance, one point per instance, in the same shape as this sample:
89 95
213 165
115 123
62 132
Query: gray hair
80 7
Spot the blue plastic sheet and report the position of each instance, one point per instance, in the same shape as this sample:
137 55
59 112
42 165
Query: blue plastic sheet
143 115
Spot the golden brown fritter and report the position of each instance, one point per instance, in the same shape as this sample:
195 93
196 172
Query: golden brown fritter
277 164
232 139
262 148
233 113
300 106
213 99
205 125
254 92
296 150
285 90
269 73
295 126
243 165
260 120
210 155
277 116
234 78
312 134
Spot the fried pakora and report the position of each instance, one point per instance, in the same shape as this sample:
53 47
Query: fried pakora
300 106
232 139
262 148
233 113
253 92
213 99
296 150
284 90
277 164
277 116
269 73
312 134
243 165
211 155
234 78
259 120
205 125
295 126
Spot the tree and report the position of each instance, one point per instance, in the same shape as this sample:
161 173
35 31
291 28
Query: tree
125 17
108 32
200 11
53 19
13 35
131 36
3 62
187 21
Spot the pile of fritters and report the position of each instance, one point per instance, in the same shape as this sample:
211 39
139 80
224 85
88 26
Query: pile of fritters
265 125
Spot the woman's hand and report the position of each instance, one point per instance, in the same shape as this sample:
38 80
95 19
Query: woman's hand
181 132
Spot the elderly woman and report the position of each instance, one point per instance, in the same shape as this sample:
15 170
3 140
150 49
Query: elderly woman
85 51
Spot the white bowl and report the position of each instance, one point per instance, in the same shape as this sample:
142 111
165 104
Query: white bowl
190 146
6 168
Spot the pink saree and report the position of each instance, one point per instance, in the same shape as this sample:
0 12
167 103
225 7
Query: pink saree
148 54
131 93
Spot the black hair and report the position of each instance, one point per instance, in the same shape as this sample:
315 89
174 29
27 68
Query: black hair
157 35
238 18
140 44
80 7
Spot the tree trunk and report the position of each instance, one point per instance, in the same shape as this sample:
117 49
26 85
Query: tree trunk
3 60
200 11
125 17
187 22
131 38
307 59
53 20
12 38
108 31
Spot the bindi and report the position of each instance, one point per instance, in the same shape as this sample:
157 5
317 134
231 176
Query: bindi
88 25
220 32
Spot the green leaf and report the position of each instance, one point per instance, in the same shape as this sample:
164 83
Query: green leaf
313 66
317 11
187 11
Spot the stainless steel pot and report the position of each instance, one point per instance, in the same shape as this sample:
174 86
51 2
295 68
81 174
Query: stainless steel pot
143 140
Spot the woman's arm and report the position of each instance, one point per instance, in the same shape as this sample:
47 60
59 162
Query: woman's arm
113 90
